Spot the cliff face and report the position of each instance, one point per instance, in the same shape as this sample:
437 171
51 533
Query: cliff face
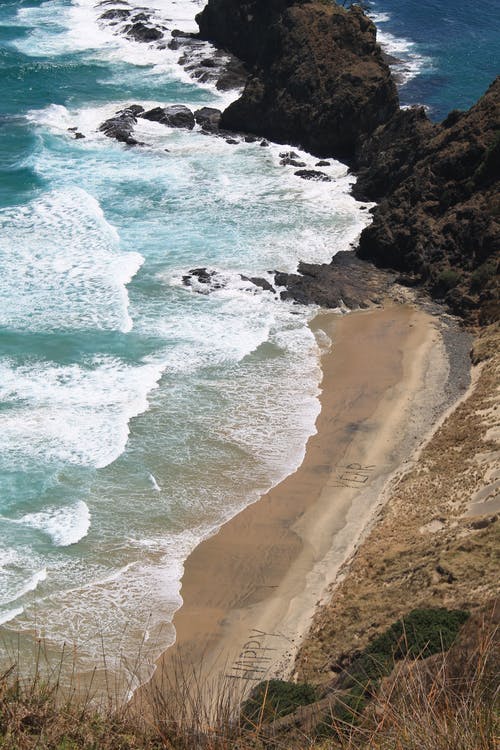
438 220
319 79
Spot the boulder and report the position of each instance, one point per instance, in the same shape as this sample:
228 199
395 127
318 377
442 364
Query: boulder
208 118
142 32
312 174
175 116
121 126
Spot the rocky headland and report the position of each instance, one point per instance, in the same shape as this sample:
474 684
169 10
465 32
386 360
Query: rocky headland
319 80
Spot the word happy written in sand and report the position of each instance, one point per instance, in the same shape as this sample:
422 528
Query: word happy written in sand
254 658
353 476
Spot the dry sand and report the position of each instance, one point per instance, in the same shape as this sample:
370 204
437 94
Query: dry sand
251 590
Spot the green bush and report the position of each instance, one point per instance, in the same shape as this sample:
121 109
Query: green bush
482 275
421 633
272 699
448 279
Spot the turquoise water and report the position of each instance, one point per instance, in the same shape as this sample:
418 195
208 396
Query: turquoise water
136 415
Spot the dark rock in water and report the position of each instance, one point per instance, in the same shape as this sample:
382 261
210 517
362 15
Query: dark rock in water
292 162
288 155
233 74
213 280
258 281
121 127
136 109
175 116
347 280
118 14
183 34
319 78
322 163
72 130
78 136
210 279
140 32
264 143
208 118
312 174
232 141
251 139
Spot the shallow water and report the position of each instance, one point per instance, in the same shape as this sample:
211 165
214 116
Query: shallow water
137 415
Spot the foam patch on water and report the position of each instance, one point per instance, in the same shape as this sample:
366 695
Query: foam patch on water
62 267
408 62
58 29
71 414
65 526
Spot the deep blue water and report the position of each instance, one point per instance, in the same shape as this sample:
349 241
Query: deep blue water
459 47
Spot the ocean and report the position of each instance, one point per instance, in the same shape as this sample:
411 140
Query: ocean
138 414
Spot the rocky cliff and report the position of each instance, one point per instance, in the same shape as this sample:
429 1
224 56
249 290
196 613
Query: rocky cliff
438 215
319 80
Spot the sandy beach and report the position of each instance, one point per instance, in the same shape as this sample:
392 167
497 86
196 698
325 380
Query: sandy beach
250 591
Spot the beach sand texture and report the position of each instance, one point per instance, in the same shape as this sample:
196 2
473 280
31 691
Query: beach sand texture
250 591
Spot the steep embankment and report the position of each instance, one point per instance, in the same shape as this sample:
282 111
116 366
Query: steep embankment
438 216
319 80
436 542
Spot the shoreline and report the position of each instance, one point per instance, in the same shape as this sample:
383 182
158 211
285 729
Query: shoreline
251 590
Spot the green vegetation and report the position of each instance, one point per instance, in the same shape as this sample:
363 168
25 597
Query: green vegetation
448 279
272 699
483 274
488 169
422 705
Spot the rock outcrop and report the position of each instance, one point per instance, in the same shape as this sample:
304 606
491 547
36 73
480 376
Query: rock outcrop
345 282
121 125
319 79
438 217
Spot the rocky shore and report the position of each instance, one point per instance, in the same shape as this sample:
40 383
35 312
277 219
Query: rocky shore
319 80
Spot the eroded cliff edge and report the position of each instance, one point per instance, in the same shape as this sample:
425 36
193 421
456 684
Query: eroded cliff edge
319 80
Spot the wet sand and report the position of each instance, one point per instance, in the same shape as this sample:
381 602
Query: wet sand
250 591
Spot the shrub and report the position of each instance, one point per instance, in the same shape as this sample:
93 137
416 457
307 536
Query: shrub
448 279
272 699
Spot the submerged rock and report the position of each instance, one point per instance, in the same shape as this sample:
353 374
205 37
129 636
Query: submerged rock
211 280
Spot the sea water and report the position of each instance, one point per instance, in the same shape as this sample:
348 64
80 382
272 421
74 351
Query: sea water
447 53
137 414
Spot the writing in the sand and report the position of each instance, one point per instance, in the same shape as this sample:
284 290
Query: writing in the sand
353 476
254 658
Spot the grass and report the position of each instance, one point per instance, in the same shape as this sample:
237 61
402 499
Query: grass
445 701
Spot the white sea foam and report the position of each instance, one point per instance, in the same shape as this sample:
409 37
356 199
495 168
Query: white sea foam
65 526
57 29
71 413
154 483
10 614
409 62
61 266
